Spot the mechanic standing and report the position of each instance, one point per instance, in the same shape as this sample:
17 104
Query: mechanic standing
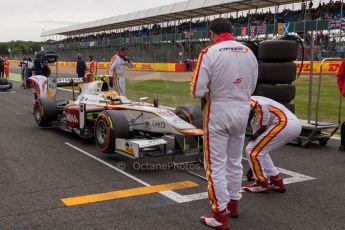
226 74
90 69
7 67
2 67
273 126
81 67
117 71
341 86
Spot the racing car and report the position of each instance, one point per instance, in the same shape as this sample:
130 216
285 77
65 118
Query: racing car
5 84
120 125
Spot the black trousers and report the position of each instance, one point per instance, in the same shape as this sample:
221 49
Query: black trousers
2 72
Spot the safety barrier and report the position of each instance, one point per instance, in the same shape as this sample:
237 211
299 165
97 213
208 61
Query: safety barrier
167 67
328 68
331 67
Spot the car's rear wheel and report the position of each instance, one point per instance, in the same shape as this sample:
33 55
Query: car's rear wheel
191 114
110 125
45 111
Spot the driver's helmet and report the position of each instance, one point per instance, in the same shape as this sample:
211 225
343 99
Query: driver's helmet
113 97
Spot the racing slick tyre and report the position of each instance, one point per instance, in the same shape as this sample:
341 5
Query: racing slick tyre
45 111
277 73
289 105
276 92
109 125
190 113
253 46
3 81
278 51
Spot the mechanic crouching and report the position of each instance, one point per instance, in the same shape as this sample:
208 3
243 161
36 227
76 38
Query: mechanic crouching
274 126
226 74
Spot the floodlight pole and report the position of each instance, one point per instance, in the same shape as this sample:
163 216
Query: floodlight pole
311 77
248 25
190 37
305 20
276 9
341 18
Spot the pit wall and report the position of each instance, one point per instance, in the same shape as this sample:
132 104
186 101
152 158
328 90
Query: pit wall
331 67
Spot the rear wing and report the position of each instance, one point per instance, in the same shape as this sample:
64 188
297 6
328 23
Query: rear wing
69 81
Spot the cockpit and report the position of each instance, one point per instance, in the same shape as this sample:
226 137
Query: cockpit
98 92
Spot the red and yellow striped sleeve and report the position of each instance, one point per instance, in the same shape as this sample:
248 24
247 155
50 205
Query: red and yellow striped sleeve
199 83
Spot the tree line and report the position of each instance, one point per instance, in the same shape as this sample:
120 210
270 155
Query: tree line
20 47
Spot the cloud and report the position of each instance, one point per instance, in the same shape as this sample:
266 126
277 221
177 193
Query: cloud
24 20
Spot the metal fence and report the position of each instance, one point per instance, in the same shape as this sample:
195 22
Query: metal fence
179 46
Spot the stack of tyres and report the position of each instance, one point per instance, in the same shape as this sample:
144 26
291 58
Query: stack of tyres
277 71
252 45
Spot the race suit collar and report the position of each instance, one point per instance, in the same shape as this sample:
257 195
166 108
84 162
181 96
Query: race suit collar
225 37
118 54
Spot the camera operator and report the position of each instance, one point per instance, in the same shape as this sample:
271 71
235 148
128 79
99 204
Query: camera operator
41 66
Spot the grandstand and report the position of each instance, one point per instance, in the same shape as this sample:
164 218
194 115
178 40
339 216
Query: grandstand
176 32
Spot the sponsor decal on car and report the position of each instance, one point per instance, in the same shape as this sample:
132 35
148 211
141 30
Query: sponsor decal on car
166 114
71 118
128 149
158 124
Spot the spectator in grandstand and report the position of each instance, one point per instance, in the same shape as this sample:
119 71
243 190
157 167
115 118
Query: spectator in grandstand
81 66
226 74
90 69
7 67
2 67
117 71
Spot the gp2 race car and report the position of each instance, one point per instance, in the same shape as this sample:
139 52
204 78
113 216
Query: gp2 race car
119 125
5 84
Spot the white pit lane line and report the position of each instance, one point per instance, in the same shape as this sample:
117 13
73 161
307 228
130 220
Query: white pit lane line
295 178
7 92
169 194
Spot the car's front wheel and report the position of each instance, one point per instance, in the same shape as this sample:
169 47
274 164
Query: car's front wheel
110 125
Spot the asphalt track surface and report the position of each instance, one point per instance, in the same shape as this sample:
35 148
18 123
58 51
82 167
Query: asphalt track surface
38 169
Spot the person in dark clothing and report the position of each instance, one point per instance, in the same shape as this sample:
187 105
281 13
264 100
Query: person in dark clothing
81 66
39 66
2 67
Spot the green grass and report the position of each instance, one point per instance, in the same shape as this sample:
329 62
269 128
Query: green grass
177 93
15 77
172 93
169 93
329 100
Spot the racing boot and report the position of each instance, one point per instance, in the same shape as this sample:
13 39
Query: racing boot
218 220
257 186
276 183
232 209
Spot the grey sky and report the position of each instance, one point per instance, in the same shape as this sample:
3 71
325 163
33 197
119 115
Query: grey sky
25 19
